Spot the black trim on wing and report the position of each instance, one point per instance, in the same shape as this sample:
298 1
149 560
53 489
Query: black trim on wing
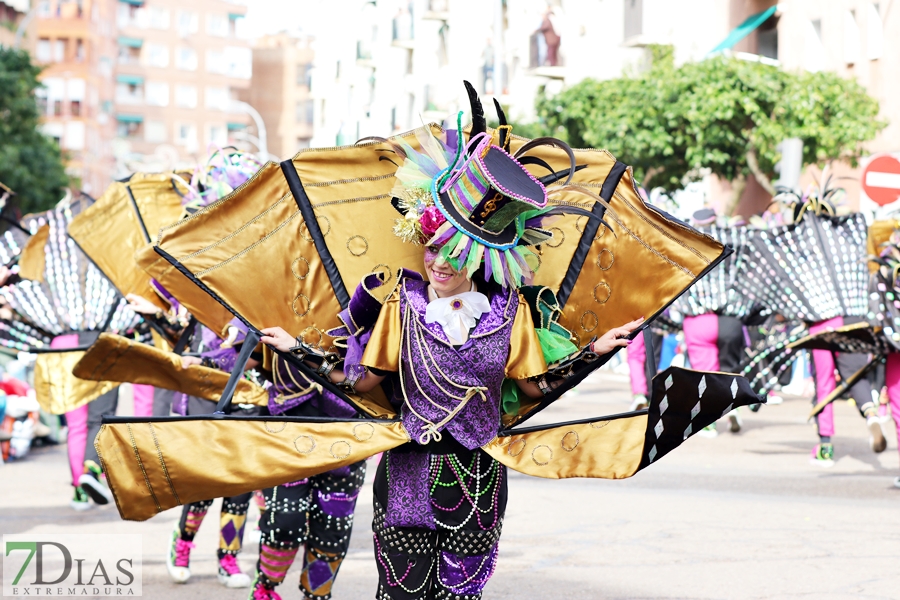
590 368
303 367
315 232
590 231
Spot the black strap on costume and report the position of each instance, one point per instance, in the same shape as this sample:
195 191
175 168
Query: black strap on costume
247 348
315 232
650 365
185 337
590 232
137 213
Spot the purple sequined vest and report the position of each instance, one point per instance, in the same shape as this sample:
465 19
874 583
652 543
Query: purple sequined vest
428 360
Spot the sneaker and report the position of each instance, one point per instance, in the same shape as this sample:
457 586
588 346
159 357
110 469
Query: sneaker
93 485
734 419
897 482
179 559
877 440
638 403
230 574
261 592
772 400
709 431
822 455
81 501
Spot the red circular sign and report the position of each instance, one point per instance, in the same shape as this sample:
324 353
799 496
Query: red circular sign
881 179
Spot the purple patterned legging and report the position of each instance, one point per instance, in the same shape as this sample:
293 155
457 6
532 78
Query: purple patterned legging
457 558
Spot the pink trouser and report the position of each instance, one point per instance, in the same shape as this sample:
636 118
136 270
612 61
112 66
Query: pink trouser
143 399
825 381
76 420
637 355
701 337
892 378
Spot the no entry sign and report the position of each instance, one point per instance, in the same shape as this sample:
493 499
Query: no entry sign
881 179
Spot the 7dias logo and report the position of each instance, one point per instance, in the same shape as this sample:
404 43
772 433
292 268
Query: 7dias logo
71 565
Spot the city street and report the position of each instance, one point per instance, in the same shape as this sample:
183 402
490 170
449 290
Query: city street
738 516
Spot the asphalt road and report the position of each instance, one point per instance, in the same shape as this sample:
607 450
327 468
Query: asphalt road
738 516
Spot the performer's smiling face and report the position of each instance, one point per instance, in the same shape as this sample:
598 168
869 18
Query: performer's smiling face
443 278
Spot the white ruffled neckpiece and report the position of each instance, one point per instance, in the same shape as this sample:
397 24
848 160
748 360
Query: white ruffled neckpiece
458 314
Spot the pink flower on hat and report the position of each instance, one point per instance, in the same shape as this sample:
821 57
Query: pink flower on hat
431 220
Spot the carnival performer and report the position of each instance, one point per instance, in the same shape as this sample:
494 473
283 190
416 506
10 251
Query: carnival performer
314 514
639 367
455 346
714 334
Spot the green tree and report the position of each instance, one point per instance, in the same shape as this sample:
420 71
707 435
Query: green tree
722 114
30 162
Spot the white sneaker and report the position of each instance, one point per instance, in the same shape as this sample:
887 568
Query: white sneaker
178 559
772 400
230 574
709 431
639 403
877 440
735 420
80 502
897 482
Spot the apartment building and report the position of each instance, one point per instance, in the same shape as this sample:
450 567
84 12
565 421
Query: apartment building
282 73
179 66
76 46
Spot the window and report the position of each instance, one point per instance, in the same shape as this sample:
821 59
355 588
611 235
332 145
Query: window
79 50
217 25
875 32
155 132
158 17
239 62
186 96
157 93
813 50
40 95
217 98
634 18
59 50
767 38
129 129
53 131
303 74
188 22
186 59
217 135
43 52
43 9
74 138
129 93
215 62
75 90
304 111
56 94
157 55
186 135
852 41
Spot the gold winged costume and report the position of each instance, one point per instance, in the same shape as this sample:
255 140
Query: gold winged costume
289 245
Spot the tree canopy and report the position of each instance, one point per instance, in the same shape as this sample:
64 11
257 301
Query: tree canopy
722 114
30 162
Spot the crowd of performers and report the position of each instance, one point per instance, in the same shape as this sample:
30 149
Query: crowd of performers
458 346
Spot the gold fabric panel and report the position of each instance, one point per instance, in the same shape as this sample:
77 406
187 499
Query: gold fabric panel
349 189
525 356
209 312
879 233
635 272
383 350
154 466
57 390
222 245
109 231
32 259
604 449
115 358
